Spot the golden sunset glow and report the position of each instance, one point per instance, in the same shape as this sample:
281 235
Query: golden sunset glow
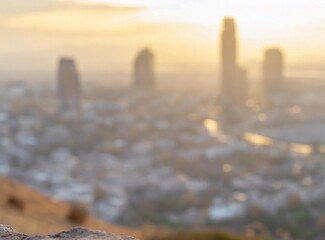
166 119
185 32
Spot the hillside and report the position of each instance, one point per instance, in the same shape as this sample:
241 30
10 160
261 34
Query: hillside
30 212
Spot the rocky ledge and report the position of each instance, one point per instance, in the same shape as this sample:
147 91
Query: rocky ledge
7 233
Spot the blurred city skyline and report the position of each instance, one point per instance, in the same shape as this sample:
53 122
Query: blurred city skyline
179 114
105 35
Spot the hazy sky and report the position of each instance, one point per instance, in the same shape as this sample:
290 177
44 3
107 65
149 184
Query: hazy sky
104 35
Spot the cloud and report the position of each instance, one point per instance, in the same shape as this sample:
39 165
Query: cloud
100 6
62 15
16 6
27 6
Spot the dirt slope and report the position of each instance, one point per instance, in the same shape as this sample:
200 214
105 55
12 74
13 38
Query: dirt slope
30 212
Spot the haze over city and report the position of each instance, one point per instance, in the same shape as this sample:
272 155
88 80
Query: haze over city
155 118
104 35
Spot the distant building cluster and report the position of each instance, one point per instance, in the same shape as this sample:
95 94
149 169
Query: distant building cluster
159 157
69 84
234 85
234 82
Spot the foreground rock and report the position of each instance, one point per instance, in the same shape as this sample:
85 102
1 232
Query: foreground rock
7 233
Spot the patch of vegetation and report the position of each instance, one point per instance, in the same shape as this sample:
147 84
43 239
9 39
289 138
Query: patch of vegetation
78 214
16 203
198 235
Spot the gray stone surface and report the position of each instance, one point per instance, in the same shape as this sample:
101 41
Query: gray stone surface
7 233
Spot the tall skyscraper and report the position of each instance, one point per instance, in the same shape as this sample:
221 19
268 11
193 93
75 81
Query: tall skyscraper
233 78
273 72
144 73
69 89
228 53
